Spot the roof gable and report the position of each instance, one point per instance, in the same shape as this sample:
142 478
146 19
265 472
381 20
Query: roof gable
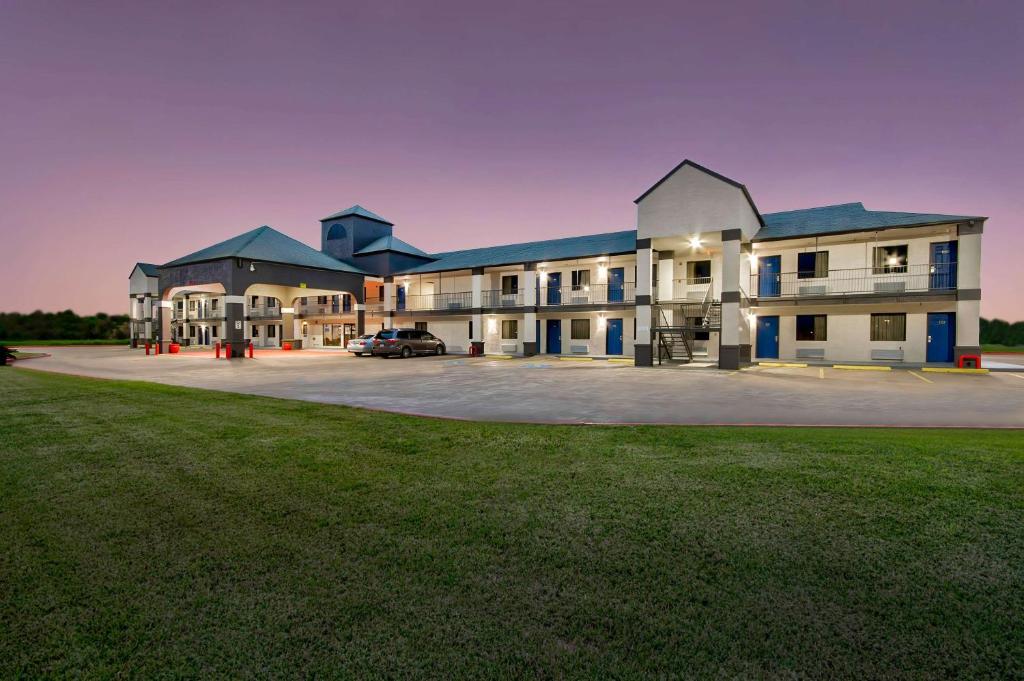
148 269
269 245
845 217
707 171
591 245
390 243
359 211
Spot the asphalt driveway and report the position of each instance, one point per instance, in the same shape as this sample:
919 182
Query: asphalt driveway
546 390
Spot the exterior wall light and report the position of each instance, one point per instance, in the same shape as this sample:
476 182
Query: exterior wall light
753 261
695 242
492 325
601 322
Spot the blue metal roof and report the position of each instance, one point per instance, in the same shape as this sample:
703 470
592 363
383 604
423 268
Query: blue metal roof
268 245
844 217
533 251
149 269
360 211
390 243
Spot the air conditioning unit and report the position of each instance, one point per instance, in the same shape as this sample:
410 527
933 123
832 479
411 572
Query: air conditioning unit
890 286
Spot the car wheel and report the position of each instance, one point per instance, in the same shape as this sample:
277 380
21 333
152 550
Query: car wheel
406 352
358 354
439 350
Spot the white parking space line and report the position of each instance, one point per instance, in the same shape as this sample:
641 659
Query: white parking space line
1017 376
926 380
821 372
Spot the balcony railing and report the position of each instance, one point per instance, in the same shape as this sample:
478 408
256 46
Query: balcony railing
200 313
866 280
593 294
461 300
314 309
375 304
498 298
264 312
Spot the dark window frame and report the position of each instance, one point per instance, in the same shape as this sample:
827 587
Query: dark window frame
896 326
812 327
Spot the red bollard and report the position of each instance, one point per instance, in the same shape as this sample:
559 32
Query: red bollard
227 351
218 350
250 349
156 348
147 348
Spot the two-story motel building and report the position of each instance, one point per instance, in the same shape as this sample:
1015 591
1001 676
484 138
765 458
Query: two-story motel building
704 276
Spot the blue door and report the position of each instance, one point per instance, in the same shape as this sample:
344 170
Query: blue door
613 337
941 336
400 290
615 286
554 336
554 289
769 280
942 273
768 337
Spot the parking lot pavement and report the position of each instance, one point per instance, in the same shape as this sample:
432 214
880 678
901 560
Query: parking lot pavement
546 389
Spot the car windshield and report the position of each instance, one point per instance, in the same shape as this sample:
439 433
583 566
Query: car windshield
389 333
366 337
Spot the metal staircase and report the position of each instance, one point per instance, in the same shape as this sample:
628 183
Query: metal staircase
675 337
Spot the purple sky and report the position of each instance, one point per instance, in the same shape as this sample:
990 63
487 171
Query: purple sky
143 131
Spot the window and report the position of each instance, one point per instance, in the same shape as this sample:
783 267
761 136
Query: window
510 284
424 335
305 329
271 331
214 303
580 329
321 300
580 279
812 265
509 329
255 331
302 301
191 331
889 327
215 330
698 269
471 330
254 301
271 302
698 322
191 306
421 326
890 259
811 327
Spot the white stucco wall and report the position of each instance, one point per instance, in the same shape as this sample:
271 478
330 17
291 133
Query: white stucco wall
692 202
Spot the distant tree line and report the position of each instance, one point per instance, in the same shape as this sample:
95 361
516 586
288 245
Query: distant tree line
66 325
998 332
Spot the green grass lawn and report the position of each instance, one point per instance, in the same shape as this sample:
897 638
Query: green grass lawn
148 530
1014 349
57 343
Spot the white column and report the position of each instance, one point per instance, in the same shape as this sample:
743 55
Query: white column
729 338
744 284
666 275
642 350
530 288
968 294
477 300
147 316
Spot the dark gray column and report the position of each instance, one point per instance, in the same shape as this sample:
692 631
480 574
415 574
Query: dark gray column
360 319
234 328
